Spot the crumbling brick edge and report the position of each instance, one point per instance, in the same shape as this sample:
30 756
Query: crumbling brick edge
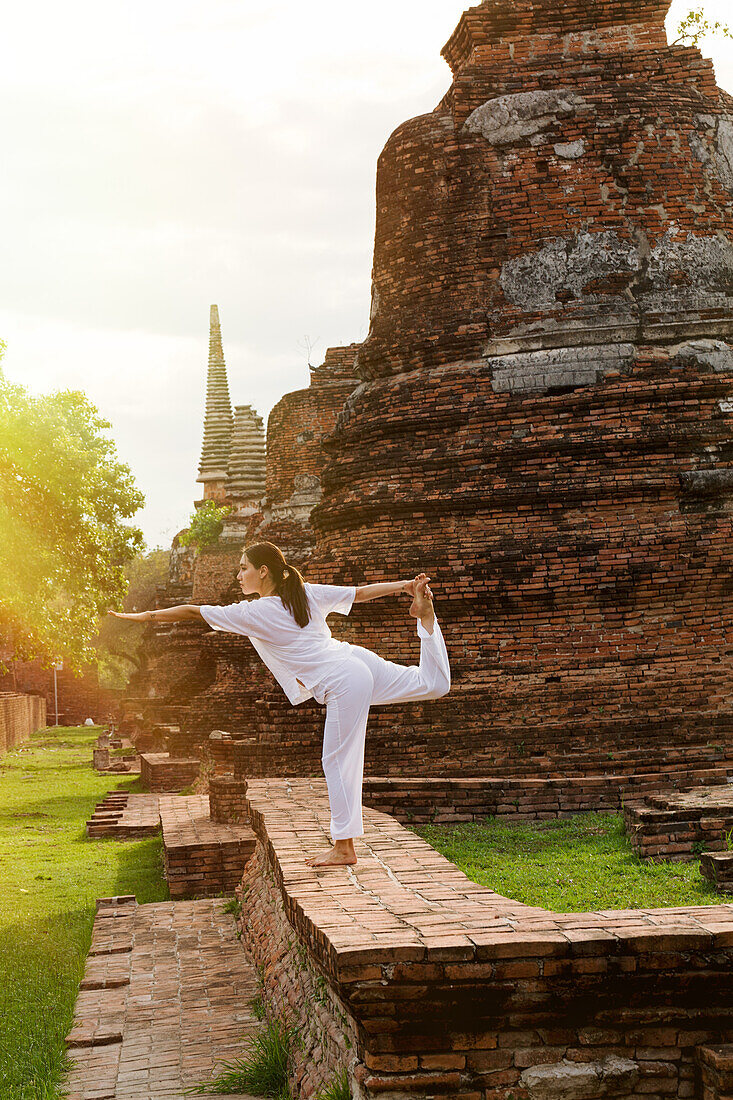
295 991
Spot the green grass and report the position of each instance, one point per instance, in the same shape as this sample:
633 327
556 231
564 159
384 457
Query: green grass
337 1089
121 752
264 1068
50 878
575 864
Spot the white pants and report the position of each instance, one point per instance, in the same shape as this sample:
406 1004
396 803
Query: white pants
362 680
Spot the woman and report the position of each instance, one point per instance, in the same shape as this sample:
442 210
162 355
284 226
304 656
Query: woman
287 626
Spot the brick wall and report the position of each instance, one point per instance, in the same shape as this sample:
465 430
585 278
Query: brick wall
20 717
79 697
545 420
443 987
295 989
159 772
288 742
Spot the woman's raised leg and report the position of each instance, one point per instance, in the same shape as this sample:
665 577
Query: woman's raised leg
430 679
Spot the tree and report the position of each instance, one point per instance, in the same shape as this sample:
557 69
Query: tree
695 26
63 545
206 524
120 648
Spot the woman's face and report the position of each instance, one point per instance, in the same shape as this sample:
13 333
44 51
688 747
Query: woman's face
248 577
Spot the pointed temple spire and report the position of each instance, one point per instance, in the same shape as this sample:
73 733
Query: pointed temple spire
218 423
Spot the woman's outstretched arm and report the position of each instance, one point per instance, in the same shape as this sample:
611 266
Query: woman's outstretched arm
162 614
366 592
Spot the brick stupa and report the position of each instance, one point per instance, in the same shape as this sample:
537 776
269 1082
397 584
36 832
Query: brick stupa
544 422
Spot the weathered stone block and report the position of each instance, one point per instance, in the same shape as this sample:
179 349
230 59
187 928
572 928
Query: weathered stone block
575 1081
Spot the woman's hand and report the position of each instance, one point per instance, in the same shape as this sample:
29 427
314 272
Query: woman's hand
409 586
136 616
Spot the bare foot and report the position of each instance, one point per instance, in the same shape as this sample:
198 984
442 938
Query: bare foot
422 605
422 599
341 855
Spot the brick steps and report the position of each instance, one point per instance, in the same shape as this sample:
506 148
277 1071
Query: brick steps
429 800
202 857
125 816
636 762
258 758
161 1014
678 825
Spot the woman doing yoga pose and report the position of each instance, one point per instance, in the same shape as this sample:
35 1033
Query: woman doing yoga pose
287 626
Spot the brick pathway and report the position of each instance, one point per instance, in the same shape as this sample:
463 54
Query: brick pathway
164 1001
125 816
202 856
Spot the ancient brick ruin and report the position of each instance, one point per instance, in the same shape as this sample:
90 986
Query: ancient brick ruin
543 422
540 418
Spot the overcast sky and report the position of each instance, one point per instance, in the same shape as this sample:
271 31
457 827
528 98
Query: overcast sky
160 156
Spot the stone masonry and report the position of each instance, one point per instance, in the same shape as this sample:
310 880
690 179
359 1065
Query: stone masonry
543 421
544 418
422 983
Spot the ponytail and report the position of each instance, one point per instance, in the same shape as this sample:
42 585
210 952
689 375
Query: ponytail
289 583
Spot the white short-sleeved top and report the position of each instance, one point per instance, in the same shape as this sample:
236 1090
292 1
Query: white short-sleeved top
292 653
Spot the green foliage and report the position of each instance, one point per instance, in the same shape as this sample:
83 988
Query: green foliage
207 523
234 906
320 990
63 495
303 957
257 1007
695 26
264 1069
120 644
337 1089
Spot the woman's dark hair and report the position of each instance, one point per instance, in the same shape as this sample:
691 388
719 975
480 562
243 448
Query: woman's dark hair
289 583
